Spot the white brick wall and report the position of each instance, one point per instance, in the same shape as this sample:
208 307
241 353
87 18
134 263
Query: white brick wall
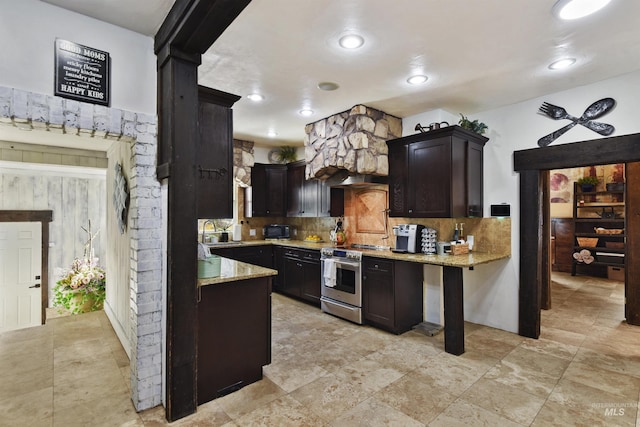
47 113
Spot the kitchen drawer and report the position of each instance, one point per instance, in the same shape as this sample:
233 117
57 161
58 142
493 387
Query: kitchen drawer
304 254
378 266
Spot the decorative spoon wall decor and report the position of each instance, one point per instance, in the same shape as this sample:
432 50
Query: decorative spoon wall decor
593 111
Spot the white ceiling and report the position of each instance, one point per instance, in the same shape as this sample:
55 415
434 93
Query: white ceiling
478 55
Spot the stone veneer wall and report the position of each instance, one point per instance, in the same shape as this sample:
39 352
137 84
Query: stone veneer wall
354 140
53 114
243 161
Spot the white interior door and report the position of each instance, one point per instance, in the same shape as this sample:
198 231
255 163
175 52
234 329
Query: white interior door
20 258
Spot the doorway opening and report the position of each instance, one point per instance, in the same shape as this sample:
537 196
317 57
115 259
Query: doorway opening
587 247
533 166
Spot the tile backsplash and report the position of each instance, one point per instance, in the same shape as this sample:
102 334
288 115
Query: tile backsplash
363 223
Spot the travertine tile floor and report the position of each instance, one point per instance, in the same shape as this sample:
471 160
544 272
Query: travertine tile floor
585 370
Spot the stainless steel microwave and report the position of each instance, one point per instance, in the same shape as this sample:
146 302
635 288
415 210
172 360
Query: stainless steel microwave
276 231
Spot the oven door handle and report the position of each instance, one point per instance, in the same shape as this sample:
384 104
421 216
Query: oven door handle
340 263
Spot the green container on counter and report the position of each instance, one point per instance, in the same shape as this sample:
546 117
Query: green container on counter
209 267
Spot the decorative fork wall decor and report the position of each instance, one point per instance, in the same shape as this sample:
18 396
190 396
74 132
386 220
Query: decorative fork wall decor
593 111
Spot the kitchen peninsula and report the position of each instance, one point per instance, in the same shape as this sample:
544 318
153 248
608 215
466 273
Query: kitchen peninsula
452 267
234 328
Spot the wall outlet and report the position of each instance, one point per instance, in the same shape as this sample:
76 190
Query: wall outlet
295 232
252 232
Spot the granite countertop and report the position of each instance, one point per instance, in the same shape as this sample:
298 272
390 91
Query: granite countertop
231 271
275 242
467 260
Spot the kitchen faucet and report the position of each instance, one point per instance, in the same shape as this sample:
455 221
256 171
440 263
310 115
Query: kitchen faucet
204 227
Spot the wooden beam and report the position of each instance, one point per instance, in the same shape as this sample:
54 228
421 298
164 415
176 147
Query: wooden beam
618 149
193 25
178 104
188 31
530 253
545 259
632 249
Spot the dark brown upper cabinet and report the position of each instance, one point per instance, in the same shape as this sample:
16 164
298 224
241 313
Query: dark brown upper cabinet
214 173
269 190
436 174
313 197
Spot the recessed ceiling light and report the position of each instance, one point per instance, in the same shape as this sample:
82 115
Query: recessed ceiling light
272 133
328 86
418 79
255 97
351 41
305 112
562 63
574 9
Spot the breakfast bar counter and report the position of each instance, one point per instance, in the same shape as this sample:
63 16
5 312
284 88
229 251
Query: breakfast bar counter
234 328
452 283
452 278
232 271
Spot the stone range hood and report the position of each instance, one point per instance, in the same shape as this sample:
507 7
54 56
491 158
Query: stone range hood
349 148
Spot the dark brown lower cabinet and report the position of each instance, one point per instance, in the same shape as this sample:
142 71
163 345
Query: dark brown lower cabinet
234 336
300 273
392 294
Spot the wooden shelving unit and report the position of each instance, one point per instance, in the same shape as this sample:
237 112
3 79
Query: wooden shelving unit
598 209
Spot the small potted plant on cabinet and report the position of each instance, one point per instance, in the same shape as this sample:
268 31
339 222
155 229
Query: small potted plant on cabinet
473 126
587 183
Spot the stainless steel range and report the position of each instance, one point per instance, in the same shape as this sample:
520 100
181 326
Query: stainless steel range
341 291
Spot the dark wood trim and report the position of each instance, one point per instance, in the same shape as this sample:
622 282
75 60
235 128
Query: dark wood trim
217 97
619 149
453 310
188 31
44 218
530 246
26 216
545 273
172 22
179 101
632 249
193 25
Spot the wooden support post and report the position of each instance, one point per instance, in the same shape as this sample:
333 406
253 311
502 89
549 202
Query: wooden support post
453 310
530 244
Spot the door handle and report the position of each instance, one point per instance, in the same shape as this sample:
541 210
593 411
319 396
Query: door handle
37 285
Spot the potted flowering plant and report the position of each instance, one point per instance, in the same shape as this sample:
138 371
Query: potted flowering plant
82 288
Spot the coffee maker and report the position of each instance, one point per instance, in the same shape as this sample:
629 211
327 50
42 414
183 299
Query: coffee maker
408 238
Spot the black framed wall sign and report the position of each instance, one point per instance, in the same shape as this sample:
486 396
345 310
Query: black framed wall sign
82 73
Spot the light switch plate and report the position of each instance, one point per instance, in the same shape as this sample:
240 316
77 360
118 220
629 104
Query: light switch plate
252 232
